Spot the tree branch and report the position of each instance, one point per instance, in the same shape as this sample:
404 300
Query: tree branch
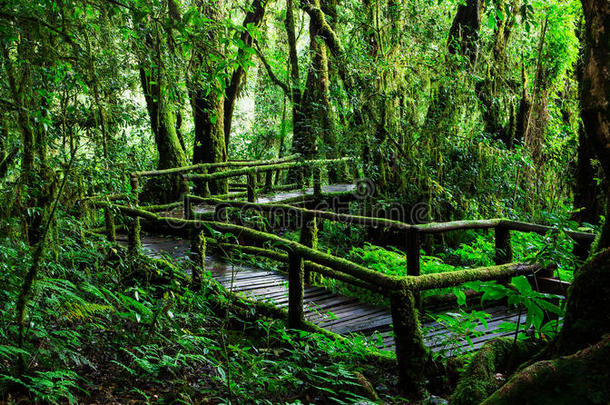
272 75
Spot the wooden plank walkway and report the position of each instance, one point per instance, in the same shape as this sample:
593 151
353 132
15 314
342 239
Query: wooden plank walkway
335 312
281 196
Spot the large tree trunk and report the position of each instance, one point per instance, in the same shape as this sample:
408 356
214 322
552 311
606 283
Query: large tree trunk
464 32
163 125
582 377
208 103
209 146
595 94
156 88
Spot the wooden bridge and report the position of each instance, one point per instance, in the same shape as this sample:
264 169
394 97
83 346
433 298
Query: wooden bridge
254 225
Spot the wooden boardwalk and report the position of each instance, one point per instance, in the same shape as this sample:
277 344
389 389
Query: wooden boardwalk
282 196
334 312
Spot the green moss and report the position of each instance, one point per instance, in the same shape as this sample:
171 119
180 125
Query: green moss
484 373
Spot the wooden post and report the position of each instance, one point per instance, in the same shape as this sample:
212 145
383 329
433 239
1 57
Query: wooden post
296 290
411 354
198 248
414 261
309 238
504 251
134 241
268 181
317 183
110 225
188 214
252 185
205 186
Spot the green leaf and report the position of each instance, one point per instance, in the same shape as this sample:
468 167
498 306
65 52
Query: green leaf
461 297
522 285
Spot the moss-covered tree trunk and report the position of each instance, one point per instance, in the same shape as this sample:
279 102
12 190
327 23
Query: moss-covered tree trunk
163 124
207 99
155 86
582 376
595 94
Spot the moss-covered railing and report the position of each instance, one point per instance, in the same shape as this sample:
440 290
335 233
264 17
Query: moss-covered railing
402 291
252 173
217 165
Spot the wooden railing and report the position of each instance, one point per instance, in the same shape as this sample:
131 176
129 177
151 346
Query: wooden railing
411 355
402 291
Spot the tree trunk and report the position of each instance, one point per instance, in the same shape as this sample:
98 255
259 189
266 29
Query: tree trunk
583 376
595 94
464 32
163 125
208 103
255 17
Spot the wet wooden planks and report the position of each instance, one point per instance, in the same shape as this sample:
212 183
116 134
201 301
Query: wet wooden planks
337 313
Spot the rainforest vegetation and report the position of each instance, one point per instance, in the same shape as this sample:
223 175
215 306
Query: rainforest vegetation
461 124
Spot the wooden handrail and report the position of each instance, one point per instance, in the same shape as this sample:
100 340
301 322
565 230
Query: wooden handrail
184 169
225 174
431 228
411 354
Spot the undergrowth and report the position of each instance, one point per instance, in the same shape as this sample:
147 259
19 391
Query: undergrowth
105 327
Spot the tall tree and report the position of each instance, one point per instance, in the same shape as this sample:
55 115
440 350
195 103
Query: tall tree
156 84
464 32
254 18
207 94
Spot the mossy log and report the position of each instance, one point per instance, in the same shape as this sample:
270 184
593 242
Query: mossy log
487 370
458 277
162 207
431 228
580 378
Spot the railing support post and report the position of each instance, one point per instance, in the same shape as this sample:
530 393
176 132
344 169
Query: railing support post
414 260
110 225
198 249
268 181
411 354
309 238
186 202
504 251
204 186
317 183
252 180
296 290
133 236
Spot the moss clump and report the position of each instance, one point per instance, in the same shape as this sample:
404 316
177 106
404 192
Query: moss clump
484 373
581 378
